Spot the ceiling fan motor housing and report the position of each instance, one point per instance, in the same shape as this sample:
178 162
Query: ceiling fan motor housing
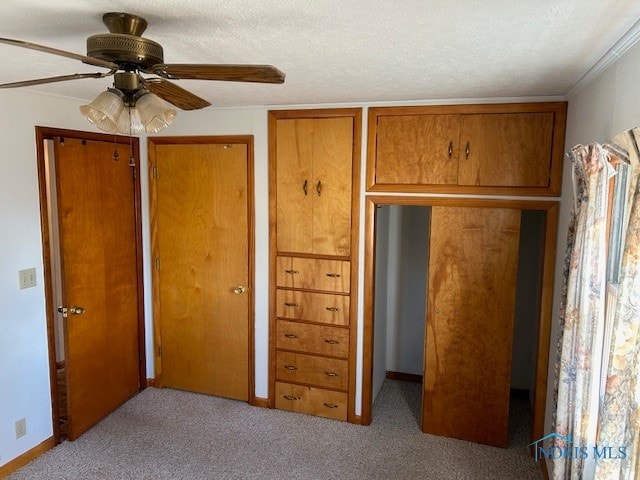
124 45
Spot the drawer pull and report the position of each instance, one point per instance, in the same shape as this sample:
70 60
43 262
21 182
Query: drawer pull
331 374
290 335
332 342
333 275
291 367
330 405
291 397
293 305
333 309
292 272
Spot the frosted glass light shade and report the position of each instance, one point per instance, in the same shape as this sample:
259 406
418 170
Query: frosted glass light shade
104 111
129 122
154 113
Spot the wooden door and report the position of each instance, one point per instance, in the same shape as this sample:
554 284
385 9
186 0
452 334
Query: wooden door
202 231
294 177
97 224
473 259
417 149
506 149
332 163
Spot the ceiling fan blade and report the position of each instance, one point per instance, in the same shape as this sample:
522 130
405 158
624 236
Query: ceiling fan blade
61 78
174 94
41 48
229 73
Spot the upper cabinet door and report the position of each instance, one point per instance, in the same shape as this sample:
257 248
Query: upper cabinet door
506 149
332 162
490 149
417 149
294 173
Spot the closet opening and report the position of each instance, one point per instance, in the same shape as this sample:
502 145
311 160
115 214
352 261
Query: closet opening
503 269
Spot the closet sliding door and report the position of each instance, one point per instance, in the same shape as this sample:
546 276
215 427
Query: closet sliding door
471 296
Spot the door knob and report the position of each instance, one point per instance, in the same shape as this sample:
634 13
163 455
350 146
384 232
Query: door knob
71 311
239 289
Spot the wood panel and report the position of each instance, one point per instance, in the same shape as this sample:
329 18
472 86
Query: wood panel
332 150
313 307
316 339
312 370
470 310
203 249
417 149
506 149
295 188
313 274
312 401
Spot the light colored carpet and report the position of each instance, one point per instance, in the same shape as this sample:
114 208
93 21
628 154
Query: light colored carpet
168 434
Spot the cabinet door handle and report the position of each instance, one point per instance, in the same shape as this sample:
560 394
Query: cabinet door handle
305 188
467 150
333 275
332 342
290 335
293 305
331 374
330 405
291 367
333 309
292 272
450 150
291 397
319 188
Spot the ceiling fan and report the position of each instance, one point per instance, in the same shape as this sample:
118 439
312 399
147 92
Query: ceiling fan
127 55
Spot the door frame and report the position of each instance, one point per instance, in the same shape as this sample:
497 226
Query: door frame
546 292
50 133
153 195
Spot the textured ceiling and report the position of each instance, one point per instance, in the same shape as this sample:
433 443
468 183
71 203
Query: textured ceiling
337 51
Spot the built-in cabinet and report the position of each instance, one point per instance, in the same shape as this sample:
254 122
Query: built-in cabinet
314 191
514 149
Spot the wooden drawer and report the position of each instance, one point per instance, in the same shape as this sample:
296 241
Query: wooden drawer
312 401
318 339
313 274
320 371
313 307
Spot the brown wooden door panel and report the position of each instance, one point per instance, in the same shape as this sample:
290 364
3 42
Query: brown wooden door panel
331 193
294 170
473 262
313 274
506 149
96 215
202 242
417 149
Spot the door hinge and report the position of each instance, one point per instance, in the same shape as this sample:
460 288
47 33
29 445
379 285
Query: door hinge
133 172
157 263
155 171
159 350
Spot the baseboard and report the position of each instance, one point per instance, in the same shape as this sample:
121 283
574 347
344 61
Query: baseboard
26 457
260 402
405 377
151 382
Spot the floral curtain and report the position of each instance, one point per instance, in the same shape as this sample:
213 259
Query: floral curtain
620 415
584 310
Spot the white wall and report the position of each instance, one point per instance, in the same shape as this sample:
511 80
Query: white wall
381 296
605 107
407 289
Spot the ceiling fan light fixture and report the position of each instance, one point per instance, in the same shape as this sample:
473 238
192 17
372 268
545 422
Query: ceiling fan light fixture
104 111
129 122
155 114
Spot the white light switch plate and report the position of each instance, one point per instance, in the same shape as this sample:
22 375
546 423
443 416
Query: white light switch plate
27 278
